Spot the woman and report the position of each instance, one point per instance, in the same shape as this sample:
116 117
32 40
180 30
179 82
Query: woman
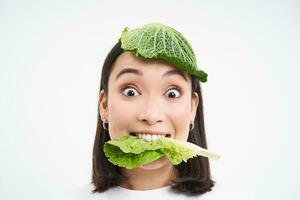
149 97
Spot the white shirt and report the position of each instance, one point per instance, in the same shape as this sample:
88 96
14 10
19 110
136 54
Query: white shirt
164 193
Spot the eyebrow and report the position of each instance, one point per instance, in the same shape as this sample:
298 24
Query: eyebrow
137 72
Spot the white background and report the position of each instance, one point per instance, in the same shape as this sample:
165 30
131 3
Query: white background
51 53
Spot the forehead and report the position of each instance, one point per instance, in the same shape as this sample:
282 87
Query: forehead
128 60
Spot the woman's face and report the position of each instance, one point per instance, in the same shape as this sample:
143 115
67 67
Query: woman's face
147 96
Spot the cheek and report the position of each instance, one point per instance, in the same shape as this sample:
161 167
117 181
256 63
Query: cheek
119 117
181 116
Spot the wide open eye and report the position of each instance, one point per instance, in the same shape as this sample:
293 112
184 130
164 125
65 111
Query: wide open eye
173 93
129 91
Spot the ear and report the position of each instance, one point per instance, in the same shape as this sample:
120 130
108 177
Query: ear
103 109
195 103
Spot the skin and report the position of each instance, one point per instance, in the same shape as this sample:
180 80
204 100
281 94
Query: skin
148 102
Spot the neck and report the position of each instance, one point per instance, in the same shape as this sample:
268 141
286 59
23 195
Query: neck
144 179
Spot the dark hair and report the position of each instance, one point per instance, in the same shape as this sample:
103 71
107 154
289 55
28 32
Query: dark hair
193 176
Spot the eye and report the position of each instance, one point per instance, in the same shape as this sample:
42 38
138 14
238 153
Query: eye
174 93
129 91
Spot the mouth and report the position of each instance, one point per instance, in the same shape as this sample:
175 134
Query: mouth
150 136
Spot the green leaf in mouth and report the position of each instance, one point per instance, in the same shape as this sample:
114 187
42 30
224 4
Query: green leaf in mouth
131 151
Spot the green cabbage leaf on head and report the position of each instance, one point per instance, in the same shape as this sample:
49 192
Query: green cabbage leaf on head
158 41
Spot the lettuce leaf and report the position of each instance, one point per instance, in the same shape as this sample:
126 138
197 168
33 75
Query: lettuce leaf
130 160
158 41
131 151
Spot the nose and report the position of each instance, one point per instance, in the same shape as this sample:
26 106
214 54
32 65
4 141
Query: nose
151 111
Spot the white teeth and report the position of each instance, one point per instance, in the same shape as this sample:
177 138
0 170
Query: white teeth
154 137
149 137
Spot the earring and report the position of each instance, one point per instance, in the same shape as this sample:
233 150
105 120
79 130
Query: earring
105 127
191 124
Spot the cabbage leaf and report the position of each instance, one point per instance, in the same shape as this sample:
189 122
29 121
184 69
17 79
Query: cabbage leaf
131 152
158 41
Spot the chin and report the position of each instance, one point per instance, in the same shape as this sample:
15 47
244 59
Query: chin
163 161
